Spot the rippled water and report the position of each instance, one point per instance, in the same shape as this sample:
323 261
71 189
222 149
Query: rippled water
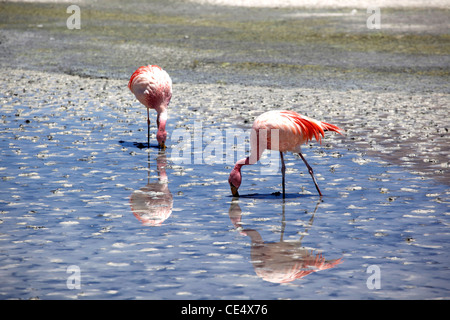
77 190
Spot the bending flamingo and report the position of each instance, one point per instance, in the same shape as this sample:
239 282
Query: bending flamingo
152 86
293 130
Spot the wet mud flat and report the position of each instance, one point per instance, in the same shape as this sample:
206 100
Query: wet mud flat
77 187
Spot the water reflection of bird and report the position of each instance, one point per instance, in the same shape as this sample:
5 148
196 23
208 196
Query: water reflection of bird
293 130
152 204
152 86
282 261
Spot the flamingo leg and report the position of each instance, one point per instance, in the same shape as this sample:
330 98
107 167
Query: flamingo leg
311 173
283 170
148 128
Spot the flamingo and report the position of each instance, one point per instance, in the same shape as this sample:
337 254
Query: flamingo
152 86
293 131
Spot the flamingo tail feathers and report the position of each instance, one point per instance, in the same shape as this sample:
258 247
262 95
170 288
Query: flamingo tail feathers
331 127
311 128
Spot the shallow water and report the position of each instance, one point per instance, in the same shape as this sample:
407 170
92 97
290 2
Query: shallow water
77 190
87 213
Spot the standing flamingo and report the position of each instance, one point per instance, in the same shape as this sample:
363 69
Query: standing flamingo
152 86
293 131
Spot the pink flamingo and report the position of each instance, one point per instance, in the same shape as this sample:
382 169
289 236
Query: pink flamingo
293 131
152 86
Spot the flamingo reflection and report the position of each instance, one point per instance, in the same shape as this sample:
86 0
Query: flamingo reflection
281 262
152 204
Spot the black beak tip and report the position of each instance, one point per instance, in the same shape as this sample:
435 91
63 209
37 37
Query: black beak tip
162 146
234 190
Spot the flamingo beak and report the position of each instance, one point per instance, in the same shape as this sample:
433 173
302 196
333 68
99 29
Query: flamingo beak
162 146
234 191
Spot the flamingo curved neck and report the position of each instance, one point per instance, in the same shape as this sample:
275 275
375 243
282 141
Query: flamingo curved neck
161 120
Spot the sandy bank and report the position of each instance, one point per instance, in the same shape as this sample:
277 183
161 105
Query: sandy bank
327 3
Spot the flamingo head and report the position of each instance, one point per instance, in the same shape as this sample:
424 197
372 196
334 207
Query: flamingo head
161 136
234 180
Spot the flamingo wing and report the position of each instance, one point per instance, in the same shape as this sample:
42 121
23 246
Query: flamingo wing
308 127
152 86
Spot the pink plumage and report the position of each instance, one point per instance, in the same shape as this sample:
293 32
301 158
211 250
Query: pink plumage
291 129
152 86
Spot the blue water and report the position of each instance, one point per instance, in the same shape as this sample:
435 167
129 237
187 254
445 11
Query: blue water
67 179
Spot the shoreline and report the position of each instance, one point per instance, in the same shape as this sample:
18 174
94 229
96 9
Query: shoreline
311 4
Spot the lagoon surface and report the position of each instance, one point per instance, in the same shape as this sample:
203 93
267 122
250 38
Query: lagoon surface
88 212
